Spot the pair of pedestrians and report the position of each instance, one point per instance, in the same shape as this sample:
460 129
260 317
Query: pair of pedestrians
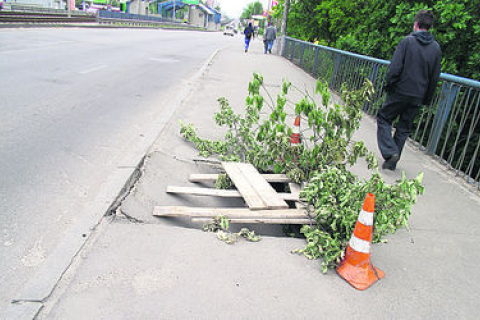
268 38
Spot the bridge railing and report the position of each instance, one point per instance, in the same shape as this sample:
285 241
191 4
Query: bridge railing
137 17
448 128
39 9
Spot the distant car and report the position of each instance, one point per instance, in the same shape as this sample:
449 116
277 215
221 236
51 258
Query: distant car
229 31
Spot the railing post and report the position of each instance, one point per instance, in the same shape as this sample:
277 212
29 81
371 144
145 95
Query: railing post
292 51
315 62
374 74
302 52
373 78
288 46
336 66
447 96
283 48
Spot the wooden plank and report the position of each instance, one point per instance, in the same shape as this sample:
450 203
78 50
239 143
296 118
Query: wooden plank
279 178
252 198
288 196
233 213
225 193
261 221
295 190
268 195
197 177
205 192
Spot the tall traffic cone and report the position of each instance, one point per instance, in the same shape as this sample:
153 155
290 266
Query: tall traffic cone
295 136
356 267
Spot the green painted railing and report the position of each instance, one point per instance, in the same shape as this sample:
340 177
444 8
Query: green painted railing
448 128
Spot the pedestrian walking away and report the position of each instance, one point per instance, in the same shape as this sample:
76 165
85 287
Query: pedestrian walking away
411 82
248 35
269 37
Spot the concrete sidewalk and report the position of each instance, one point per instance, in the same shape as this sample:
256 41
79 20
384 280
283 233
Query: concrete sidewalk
142 267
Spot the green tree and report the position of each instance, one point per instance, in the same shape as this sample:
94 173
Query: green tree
327 20
253 8
374 27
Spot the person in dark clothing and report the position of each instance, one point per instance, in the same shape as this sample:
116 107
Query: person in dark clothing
248 35
411 82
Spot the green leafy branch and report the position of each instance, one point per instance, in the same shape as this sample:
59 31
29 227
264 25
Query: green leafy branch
335 198
221 226
264 139
334 195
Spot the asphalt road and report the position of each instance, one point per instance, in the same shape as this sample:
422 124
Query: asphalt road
73 104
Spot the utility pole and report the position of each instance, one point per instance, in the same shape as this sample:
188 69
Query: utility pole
284 27
69 9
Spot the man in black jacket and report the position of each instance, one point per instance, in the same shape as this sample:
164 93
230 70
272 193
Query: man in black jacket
411 82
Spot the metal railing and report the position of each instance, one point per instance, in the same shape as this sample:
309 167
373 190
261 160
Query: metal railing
135 17
7 17
35 15
39 9
448 128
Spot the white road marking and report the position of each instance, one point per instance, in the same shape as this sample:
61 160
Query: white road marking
93 69
165 60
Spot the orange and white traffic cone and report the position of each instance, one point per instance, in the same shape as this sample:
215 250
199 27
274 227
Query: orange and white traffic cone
295 136
356 267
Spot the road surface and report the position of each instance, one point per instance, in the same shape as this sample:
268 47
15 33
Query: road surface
74 104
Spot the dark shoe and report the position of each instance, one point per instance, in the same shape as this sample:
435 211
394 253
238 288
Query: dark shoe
391 163
246 50
270 51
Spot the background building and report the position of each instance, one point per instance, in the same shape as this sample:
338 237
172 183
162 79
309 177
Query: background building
52 4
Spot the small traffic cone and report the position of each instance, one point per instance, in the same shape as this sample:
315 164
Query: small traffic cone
295 136
356 267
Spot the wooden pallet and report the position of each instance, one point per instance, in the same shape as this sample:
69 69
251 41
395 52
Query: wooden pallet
265 205
257 192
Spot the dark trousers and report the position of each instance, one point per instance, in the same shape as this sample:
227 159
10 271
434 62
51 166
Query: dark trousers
395 106
268 44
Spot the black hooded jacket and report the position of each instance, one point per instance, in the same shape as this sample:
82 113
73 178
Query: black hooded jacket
415 67
249 31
